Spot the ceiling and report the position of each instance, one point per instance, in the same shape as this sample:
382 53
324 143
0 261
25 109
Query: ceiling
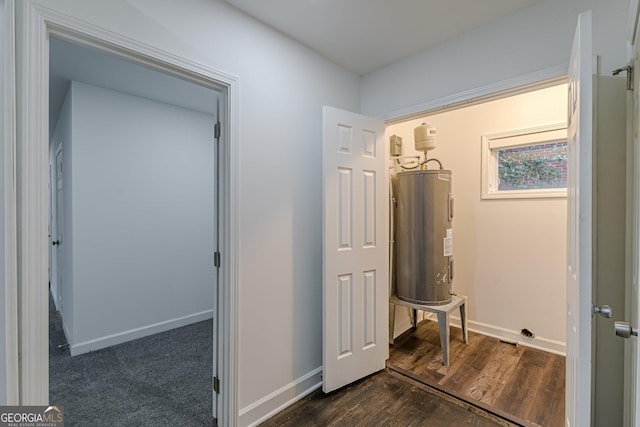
364 35
360 35
68 61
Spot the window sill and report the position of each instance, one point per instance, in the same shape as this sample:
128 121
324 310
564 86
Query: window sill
526 194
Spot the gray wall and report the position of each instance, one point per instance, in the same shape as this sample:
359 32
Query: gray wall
141 204
283 86
530 40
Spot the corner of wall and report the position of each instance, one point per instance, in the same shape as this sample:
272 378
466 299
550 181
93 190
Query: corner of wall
280 399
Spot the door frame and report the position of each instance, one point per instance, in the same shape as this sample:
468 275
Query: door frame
518 85
29 250
630 364
10 215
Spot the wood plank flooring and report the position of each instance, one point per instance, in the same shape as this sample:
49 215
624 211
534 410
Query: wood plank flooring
384 399
520 382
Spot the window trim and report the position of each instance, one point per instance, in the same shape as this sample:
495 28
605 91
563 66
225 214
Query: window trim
491 142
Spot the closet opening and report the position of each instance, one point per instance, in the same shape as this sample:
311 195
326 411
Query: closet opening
501 244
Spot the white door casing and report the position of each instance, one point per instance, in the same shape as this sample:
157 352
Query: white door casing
634 308
580 228
632 352
216 294
355 247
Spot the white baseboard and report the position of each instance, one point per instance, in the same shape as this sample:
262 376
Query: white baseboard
132 334
275 402
511 336
540 343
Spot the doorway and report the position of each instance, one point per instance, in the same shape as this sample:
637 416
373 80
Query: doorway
509 249
32 184
134 225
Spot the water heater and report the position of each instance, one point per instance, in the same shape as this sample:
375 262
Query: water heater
423 236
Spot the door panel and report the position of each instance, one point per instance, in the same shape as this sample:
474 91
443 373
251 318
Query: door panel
580 228
355 247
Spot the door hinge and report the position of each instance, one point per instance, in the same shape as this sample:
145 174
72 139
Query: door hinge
216 385
216 130
216 259
629 70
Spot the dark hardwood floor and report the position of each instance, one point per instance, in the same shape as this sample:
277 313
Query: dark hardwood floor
524 384
384 399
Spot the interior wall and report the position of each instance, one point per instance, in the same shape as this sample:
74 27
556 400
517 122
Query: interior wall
510 254
283 86
63 137
142 209
533 39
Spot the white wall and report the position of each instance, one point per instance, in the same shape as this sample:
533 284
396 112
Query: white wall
533 39
509 254
139 217
63 136
283 86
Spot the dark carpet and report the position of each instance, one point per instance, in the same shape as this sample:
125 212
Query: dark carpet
159 380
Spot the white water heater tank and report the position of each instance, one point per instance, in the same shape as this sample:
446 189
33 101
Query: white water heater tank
425 137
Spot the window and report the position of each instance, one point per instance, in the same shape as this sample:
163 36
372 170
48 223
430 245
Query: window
525 163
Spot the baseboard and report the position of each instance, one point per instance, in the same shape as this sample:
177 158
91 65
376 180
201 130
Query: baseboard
132 334
275 402
540 343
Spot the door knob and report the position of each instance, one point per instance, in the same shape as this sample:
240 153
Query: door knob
602 310
624 330
55 242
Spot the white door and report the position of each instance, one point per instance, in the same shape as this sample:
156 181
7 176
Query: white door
579 228
355 247
59 232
